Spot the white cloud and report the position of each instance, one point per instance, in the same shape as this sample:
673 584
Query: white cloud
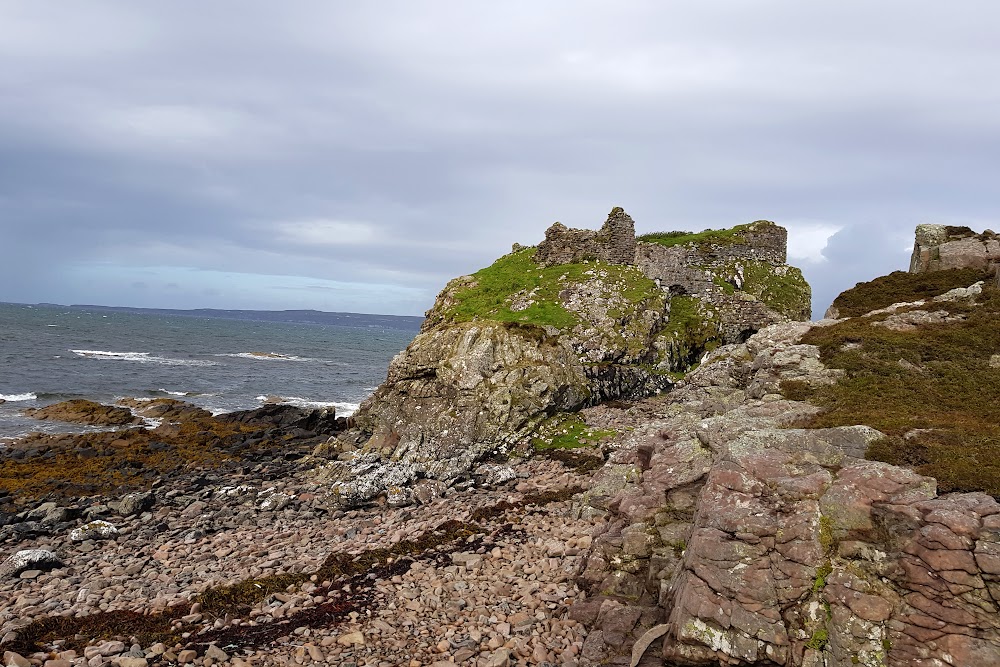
807 240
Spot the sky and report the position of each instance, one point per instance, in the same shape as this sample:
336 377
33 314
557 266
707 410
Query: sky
356 156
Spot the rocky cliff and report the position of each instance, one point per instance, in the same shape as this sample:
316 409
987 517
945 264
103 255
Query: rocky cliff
584 317
822 494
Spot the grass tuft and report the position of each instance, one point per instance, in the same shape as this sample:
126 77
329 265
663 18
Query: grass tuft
493 293
703 239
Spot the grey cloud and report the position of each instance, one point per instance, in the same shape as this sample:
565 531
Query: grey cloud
135 135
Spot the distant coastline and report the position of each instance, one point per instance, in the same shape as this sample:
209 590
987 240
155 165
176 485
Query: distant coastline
404 322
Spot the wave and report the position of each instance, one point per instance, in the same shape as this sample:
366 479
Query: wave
10 398
167 392
266 356
59 395
141 357
342 409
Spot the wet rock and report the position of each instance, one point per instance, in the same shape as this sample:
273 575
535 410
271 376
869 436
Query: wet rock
79 411
286 417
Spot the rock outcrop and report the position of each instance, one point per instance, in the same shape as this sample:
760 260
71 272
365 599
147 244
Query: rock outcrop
735 536
584 317
741 541
134 456
943 247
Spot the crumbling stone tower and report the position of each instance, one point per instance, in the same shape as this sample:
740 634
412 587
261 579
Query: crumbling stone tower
613 243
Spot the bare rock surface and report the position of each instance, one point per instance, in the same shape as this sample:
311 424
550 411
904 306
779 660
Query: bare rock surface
742 541
942 247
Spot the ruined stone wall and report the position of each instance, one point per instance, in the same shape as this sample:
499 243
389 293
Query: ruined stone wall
613 243
692 268
942 247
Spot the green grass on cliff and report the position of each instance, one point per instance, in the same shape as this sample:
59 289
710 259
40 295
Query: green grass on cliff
567 431
932 391
690 331
495 289
902 287
704 238
781 288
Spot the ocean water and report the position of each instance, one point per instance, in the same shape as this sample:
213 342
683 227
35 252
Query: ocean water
55 353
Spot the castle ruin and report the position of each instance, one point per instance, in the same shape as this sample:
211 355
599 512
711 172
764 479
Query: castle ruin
714 269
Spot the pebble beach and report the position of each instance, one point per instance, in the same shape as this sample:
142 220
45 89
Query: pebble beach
500 593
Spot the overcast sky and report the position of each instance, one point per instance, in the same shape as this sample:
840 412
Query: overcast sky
355 156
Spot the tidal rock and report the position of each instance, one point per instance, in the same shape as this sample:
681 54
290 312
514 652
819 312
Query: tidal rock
319 422
51 513
81 411
168 409
36 559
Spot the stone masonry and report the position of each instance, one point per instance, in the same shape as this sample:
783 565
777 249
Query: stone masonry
613 243
690 269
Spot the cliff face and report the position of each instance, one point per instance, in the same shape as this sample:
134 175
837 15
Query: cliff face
584 317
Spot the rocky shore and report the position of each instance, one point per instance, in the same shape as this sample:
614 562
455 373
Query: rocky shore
813 494
184 575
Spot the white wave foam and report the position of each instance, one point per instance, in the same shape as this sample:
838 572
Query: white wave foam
266 356
27 396
140 357
342 409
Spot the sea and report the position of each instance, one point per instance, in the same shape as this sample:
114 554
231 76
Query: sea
221 360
